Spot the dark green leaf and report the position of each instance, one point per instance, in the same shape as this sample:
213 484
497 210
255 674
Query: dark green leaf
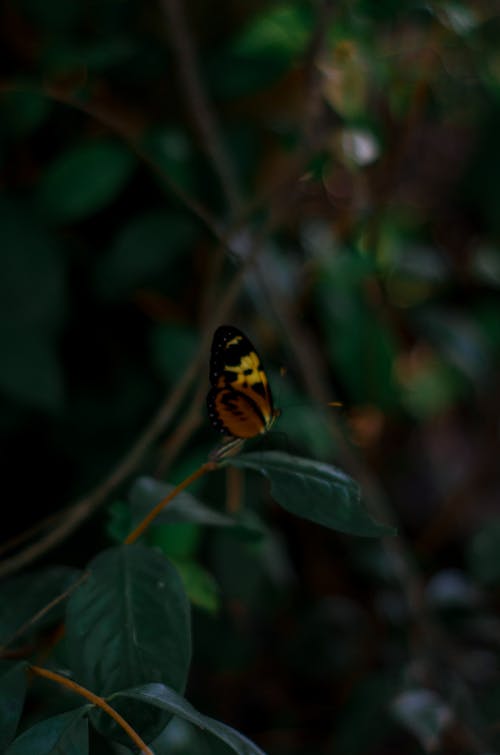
162 697
361 345
314 491
171 151
147 492
129 623
147 246
84 179
12 694
183 738
261 52
23 596
66 734
177 541
199 584
282 29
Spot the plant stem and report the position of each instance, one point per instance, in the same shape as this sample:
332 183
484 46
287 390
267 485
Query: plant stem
209 466
96 700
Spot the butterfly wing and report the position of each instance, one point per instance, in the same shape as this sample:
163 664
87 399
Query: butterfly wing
240 401
233 413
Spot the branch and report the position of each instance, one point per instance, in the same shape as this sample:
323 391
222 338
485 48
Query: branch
41 613
197 100
128 134
75 514
96 700
209 466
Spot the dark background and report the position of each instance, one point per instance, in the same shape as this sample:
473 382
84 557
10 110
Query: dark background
336 167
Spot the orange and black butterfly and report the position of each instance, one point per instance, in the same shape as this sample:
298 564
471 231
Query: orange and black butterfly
240 403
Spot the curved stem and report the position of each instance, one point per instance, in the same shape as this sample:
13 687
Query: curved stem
42 612
96 700
209 466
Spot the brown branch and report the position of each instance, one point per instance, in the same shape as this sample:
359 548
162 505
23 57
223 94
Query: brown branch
74 515
43 611
13 542
96 700
209 466
126 134
197 100
311 368
234 489
77 513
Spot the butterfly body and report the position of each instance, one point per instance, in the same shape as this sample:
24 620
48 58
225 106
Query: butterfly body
240 403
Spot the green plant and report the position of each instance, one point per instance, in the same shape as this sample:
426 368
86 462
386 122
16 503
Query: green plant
127 639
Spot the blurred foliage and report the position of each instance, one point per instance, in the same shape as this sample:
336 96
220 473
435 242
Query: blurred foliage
356 144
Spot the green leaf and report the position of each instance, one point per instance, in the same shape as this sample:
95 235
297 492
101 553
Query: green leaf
146 492
261 52
147 246
201 587
172 153
315 491
84 179
12 694
129 623
21 597
167 699
283 30
177 541
361 346
183 738
66 734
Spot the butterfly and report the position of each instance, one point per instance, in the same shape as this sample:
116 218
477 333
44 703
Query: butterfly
239 403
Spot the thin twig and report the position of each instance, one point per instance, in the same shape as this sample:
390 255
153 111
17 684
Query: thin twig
234 489
129 135
82 509
13 542
43 611
75 514
197 100
209 466
96 700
